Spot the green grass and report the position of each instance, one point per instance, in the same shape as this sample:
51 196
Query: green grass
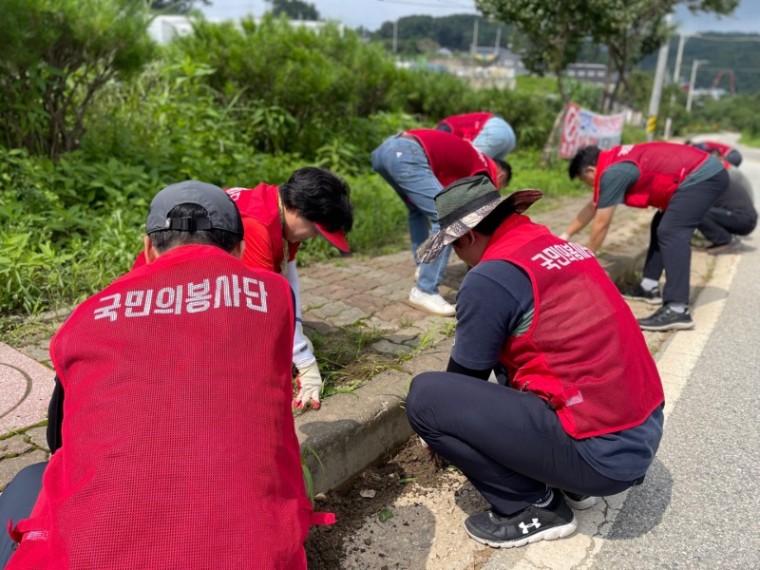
750 140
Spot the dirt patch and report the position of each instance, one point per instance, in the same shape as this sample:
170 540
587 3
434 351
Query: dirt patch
368 495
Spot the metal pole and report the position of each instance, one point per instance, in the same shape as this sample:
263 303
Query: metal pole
475 39
395 35
694 66
659 77
676 81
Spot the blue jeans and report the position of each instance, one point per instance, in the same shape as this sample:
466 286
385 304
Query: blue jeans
404 165
496 138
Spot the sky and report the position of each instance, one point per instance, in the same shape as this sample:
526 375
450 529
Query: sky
372 13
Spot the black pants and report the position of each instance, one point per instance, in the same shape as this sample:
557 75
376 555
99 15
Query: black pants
670 236
16 503
720 224
508 443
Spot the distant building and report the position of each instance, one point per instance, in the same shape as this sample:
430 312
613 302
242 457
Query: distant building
588 72
164 29
501 57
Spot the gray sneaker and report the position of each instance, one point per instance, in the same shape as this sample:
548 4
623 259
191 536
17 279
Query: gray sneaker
731 247
638 293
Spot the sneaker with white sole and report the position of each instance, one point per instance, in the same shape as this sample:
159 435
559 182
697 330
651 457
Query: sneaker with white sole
527 526
638 293
666 319
580 502
431 303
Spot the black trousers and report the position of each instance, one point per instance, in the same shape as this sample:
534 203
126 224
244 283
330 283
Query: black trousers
508 443
720 224
16 503
670 236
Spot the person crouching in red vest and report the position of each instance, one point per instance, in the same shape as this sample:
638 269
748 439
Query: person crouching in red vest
682 183
178 444
312 202
576 409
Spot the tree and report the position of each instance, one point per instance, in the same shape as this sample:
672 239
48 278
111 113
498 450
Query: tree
294 9
56 56
632 29
554 31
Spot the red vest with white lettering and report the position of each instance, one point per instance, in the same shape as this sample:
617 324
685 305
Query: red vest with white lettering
723 149
584 352
262 204
179 447
468 125
452 157
662 166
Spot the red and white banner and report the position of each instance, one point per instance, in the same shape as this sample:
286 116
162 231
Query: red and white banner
581 128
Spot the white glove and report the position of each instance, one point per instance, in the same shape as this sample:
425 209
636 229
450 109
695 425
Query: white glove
309 387
564 236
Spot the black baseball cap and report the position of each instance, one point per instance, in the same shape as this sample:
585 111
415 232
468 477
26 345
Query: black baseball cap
221 211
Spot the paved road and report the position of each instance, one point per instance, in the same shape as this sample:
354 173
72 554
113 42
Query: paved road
698 507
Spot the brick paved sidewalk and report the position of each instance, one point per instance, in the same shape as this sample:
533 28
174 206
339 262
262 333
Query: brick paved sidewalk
356 291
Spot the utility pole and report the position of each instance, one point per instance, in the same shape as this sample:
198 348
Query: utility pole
694 66
395 35
475 39
659 77
497 42
676 81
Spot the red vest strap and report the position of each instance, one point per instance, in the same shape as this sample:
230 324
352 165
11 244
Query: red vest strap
322 519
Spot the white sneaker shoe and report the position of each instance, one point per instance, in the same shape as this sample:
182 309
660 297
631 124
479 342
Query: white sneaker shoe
431 303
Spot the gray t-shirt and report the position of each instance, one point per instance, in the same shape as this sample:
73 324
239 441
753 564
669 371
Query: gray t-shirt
616 179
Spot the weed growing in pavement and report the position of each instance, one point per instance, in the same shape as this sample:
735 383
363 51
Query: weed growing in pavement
307 475
346 359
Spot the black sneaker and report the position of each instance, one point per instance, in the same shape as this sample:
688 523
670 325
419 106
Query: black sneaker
666 319
529 525
638 293
732 246
580 502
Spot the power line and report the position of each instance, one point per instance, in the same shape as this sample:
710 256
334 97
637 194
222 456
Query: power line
723 39
438 5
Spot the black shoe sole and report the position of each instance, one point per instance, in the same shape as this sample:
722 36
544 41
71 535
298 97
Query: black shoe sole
648 300
668 327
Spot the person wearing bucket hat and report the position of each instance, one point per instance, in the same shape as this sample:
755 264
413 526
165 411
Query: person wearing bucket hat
313 202
489 133
417 164
575 411
176 422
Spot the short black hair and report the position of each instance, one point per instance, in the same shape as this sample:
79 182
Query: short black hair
164 240
506 167
583 159
320 197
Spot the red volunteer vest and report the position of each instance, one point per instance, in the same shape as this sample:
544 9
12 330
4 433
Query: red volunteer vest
468 125
262 204
663 167
588 359
179 444
451 157
723 149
